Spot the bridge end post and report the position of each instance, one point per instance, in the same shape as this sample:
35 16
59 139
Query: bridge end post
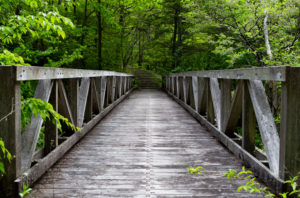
10 129
289 162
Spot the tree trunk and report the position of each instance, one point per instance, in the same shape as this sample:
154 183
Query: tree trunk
266 33
174 42
99 42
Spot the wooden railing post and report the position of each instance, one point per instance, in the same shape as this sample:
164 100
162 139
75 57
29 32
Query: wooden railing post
73 98
248 121
225 102
51 131
289 163
10 129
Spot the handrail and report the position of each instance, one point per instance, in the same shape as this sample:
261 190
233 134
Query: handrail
82 96
207 95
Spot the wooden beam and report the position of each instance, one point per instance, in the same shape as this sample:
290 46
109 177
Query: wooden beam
51 131
202 98
248 122
195 86
225 102
42 73
10 129
103 91
31 133
254 73
82 100
63 103
216 99
265 120
73 96
235 110
290 125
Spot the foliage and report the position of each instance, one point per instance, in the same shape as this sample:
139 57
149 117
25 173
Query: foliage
252 185
38 107
4 154
26 190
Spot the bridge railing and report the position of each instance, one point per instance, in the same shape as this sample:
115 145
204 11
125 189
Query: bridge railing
228 101
82 96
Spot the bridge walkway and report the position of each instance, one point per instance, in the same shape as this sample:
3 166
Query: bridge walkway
143 149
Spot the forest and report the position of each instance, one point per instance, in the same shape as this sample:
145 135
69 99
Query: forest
161 35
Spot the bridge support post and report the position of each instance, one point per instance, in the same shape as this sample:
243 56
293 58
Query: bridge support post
10 129
289 163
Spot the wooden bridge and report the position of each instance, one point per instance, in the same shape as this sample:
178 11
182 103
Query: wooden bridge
143 146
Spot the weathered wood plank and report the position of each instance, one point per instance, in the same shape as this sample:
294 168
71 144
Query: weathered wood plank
235 110
103 91
265 120
254 73
248 122
42 73
290 125
202 84
51 130
82 100
216 99
31 133
225 102
63 103
73 96
10 129
195 86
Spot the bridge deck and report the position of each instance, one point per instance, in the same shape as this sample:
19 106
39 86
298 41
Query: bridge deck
143 149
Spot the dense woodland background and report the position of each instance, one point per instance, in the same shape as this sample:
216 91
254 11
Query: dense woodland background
162 35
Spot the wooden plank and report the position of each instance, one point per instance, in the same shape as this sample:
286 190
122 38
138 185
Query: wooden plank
195 86
248 122
103 91
34 173
10 129
31 133
173 85
235 110
202 84
42 73
120 86
265 120
225 102
73 96
51 131
177 87
82 100
125 84
261 171
63 103
216 99
184 89
290 125
113 91
89 106
95 97
254 73
210 113
108 91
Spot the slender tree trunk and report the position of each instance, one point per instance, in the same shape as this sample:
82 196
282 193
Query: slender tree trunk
174 42
266 33
74 7
99 42
140 61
